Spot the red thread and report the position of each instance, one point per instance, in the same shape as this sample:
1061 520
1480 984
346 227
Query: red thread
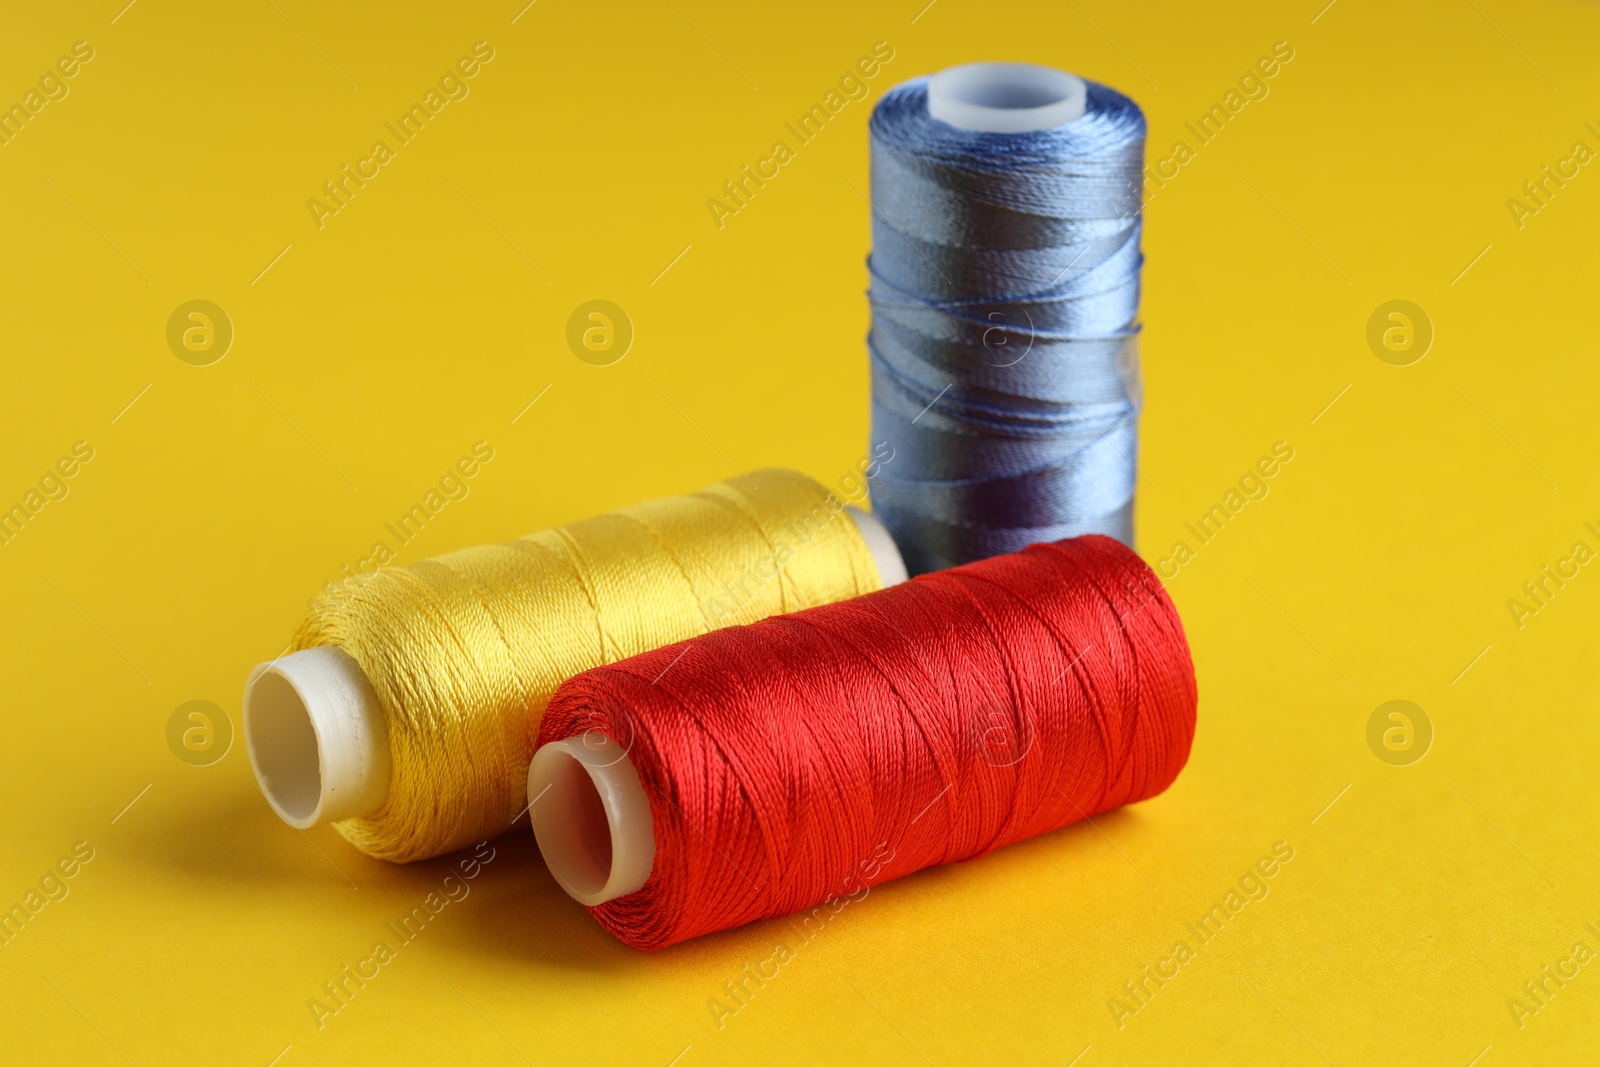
929 722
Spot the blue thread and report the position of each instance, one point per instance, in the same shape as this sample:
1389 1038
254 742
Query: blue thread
1005 299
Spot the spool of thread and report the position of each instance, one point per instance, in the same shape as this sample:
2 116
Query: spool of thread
765 769
406 715
1005 296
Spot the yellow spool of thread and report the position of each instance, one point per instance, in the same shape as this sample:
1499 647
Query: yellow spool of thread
407 713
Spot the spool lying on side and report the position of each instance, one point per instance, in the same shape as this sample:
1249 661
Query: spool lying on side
406 715
764 769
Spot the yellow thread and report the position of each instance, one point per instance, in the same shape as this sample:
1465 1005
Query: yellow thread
464 650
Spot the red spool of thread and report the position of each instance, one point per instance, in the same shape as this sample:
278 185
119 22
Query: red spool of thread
790 762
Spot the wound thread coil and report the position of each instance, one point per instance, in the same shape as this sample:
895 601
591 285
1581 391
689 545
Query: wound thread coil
452 659
1005 294
923 724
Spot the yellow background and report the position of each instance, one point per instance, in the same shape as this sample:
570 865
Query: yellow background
432 309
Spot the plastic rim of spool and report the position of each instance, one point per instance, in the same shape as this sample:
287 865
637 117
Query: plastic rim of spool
316 737
891 567
591 818
1006 97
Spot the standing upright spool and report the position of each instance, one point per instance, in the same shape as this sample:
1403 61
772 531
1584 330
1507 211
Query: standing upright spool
1005 295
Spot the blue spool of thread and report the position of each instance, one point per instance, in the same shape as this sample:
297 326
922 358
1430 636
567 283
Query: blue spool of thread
1005 297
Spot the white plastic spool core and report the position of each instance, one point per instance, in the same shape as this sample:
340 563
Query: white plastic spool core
1006 97
891 568
316 735
591 818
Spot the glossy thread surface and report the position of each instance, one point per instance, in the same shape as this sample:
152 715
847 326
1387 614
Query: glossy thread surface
464 650
926 723
1005 298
